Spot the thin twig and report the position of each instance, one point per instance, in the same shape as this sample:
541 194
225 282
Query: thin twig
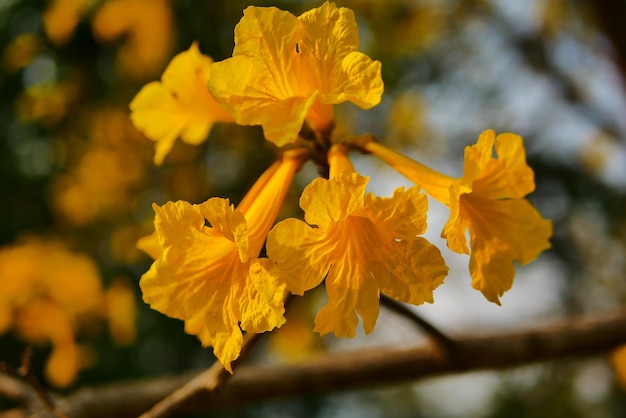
24 374
444 342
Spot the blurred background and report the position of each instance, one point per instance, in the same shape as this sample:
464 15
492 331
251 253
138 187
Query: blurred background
77 182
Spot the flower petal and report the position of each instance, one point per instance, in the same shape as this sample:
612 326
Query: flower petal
329 201
404 213
296 247
253 97
356 79
351 290
502 231
508 175
414 273
455 230
344 74
262 300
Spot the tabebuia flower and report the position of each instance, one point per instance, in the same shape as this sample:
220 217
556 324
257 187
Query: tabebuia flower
180 105
489 201
51 295
286 70
207 271
363 245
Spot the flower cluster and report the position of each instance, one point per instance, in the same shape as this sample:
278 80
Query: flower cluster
50 294
285 74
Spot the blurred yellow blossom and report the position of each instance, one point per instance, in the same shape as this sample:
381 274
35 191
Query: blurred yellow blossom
147 28
21 51
618 359
207 272
48 294
362 245
406 122
121 311
47 103
101 140
84 194
489 201
180 105
294 342
286 70
61 17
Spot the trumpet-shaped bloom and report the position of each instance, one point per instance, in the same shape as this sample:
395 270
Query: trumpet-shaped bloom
207 272
286 69
178 106
489 202
362 244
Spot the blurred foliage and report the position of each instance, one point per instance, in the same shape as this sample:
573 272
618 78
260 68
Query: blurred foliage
77 180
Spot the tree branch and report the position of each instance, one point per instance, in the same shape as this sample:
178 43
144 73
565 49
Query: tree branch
350 370
206 382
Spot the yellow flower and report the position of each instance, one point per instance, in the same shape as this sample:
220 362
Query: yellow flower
121 311
21 51
180 105
286 69
48 294
41 321
207 272
618 359
147 29
61 17
362 244
489 201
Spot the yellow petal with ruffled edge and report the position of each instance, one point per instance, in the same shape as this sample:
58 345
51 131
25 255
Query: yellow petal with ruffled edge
357 244
286 69
292 243
326 202
502 231
178 106
507 176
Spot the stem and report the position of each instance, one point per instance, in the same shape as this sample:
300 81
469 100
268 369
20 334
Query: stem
444 342
433 182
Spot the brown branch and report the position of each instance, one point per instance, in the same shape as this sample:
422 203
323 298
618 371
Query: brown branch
206 382
350 370
20 383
